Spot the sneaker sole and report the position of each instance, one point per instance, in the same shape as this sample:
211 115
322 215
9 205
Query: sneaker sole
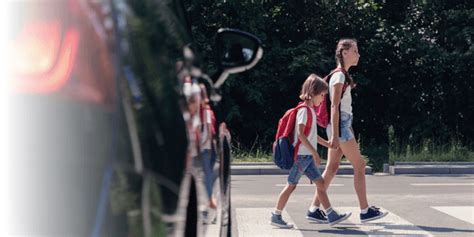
317 220
375 218
281 226
341 220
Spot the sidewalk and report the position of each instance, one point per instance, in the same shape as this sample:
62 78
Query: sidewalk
345 168
432 168
269 168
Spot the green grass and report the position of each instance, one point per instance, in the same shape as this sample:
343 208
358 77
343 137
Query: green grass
240 154
252 155
427 151
377 155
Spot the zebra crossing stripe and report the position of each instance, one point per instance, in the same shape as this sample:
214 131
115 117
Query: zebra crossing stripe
442 184
390 225
464 213
256 222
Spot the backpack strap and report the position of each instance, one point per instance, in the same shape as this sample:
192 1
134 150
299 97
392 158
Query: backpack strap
213 119
203 116
307 128
344 87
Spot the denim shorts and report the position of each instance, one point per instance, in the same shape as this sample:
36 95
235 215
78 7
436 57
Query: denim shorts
208 168
304 164
346 133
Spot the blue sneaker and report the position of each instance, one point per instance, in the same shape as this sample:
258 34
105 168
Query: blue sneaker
374 213
335 218
318 216
278 221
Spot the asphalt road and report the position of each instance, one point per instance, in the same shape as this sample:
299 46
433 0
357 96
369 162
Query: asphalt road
419 205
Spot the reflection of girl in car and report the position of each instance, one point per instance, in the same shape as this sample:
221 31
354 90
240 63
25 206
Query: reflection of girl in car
191 116
207 138
199 119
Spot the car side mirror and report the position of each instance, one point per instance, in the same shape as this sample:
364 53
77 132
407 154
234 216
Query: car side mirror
237 51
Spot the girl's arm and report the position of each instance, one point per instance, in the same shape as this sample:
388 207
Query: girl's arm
323 142
209 133
336 100
208 126
304 141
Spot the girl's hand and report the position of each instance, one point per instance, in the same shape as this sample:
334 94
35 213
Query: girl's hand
323 142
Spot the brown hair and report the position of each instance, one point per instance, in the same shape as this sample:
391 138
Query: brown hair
344 44
313 85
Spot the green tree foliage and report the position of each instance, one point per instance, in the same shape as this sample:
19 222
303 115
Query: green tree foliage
415 71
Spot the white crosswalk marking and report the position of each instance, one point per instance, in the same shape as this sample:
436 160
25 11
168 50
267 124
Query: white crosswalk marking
442 184
391 225
213 229
256 222
465 213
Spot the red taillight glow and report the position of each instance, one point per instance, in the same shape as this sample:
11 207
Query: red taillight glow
42 57
35 50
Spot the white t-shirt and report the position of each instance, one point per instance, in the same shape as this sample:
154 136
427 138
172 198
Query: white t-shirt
346 102
302 118
205 133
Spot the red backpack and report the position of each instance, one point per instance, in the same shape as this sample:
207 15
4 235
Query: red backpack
323 111
284 153
213 118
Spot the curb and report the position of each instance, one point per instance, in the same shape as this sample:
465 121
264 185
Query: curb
434 163
431 169
269 168
272 169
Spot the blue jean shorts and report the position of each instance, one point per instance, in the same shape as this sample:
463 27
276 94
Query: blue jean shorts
346 133
208 170
304 165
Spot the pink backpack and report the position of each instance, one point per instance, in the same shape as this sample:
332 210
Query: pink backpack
202 111
323 111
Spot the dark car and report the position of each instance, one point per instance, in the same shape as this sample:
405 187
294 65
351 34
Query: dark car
101 136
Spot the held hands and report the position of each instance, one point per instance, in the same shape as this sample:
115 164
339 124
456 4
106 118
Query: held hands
323 142
326 144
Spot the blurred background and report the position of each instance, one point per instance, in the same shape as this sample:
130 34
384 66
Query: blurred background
413 100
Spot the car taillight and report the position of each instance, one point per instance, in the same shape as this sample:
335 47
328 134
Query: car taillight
42 56
61 48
